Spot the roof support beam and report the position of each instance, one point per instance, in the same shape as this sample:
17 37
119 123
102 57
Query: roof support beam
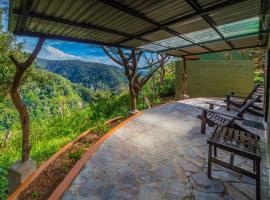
187 16
218 40
130 11
23 19
208 20
67 22
64 38
223 50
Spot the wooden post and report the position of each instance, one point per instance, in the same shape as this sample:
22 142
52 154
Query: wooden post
209 160
17 99
184 80
258 180
228 102
203 125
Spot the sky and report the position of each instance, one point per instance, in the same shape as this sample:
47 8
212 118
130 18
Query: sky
61 50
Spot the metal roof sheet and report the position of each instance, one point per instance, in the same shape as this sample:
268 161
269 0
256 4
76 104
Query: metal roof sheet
176 26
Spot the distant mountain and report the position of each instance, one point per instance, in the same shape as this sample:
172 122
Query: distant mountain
89 74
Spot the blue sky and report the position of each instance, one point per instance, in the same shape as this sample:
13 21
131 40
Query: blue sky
60 50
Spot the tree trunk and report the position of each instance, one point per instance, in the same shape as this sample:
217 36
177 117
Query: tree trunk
17 100
133 98
162 75
24 117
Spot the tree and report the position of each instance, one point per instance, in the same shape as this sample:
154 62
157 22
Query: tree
21 68
129 60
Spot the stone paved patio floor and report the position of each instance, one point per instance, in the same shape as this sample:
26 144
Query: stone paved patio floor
162 155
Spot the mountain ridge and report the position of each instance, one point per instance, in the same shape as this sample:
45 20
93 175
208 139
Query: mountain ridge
90 74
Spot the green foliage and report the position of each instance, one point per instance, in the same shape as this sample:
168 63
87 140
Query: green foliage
75 156
3 184
35 194
101 129
155 91
258 78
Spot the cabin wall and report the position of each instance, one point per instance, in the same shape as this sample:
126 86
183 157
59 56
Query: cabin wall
215 78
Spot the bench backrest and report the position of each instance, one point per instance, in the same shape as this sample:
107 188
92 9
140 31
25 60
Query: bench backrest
246 106
251 94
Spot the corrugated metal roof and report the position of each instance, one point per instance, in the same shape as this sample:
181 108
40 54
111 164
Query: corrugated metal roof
242 42
167 25
217 46
241 11
195 49
159 11
190 25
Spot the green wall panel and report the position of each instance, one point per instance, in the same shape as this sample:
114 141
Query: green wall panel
216 78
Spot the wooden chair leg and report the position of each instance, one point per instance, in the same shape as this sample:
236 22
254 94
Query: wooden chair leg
258 180
215 151
254 165
209 160
231 159
228 103
203 125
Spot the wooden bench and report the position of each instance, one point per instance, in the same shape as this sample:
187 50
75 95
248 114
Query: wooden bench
237 142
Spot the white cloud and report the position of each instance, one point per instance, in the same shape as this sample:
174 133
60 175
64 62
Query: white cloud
52 53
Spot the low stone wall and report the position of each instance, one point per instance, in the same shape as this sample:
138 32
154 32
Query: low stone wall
215 78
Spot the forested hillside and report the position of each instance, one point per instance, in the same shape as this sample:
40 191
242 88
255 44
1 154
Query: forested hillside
45 94
89 74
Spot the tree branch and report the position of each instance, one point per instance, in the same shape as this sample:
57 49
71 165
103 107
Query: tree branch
111 57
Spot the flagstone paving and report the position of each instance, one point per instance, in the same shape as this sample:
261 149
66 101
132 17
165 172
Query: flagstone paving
162 155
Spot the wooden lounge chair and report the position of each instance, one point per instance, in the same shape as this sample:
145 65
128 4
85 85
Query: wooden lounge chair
236 142
245 122
214 117
238 101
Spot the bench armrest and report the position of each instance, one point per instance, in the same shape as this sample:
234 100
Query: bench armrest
238 96
223 106
235 92
222 113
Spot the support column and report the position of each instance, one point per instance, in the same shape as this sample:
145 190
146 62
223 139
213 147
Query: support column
184 81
